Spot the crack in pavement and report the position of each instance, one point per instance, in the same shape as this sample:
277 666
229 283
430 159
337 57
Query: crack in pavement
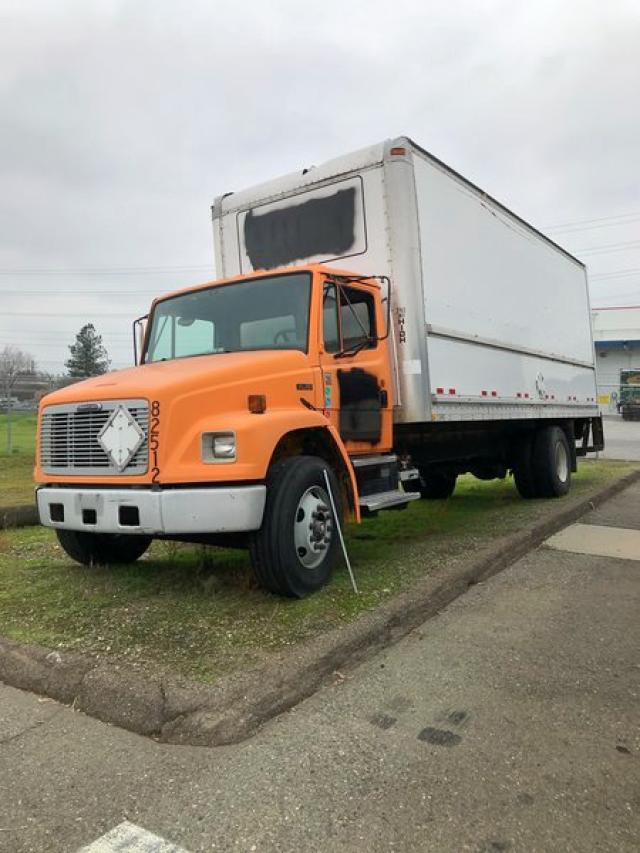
36 725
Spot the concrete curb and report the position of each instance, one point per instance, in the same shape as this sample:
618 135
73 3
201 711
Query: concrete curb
176 711
18 516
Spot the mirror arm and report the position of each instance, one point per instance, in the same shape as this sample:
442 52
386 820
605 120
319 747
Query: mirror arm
383 278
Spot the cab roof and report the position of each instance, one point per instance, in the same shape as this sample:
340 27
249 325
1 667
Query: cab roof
288 270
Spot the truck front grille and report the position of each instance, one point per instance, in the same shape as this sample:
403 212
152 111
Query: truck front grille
69 438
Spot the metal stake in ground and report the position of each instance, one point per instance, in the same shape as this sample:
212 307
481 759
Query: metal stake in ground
337 521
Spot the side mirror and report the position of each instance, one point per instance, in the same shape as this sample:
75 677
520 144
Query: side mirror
139 328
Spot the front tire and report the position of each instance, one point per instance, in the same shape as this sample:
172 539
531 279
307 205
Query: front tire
294 552
102 548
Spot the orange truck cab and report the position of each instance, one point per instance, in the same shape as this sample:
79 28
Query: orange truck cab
250 393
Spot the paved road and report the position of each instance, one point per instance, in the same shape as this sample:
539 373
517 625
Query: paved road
511 722
621 438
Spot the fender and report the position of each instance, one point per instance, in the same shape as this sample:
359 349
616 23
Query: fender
257 437
292 422
352 474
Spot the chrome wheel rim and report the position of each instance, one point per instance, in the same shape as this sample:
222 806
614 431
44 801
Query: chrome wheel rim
562 462
313 527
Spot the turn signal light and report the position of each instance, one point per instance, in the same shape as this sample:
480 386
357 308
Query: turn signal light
257 403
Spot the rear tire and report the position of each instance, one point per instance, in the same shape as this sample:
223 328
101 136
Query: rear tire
294 552
551 462
523 467
102 548
436 486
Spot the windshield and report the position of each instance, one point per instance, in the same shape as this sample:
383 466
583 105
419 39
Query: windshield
258 313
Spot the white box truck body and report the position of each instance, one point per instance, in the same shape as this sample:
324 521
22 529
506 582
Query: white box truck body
491 318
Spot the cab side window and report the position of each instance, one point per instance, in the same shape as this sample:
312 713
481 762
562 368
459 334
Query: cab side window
348 319
357 318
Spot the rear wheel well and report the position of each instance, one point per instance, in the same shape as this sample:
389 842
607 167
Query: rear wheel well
316 441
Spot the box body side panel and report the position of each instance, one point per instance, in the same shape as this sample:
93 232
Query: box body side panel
474 372
487 275
507 314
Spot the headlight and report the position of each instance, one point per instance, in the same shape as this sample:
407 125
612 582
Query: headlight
218 446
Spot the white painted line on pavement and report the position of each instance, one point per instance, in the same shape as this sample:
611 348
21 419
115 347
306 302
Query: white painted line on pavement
619 542
129 838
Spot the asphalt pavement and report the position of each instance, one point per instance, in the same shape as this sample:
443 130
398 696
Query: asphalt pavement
510 722
621 438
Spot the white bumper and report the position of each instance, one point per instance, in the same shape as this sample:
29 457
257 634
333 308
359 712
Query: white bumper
179 511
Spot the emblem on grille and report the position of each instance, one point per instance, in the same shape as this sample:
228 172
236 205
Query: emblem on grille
120 438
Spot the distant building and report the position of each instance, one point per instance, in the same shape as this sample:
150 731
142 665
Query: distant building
616 334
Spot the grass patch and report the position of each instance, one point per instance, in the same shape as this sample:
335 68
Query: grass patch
23 432
16 469
196 610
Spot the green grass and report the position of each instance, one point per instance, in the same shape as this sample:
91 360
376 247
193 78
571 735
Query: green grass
196 610
16 469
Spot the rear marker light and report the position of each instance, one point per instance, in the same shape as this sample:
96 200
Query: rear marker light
439 390
494 393
398 152
519 394
485 393
452 391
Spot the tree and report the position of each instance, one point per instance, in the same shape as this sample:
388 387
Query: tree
13 362
88 355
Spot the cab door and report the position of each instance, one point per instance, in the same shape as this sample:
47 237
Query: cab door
354 359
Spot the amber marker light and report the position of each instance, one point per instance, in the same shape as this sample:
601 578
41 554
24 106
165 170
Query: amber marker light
257 404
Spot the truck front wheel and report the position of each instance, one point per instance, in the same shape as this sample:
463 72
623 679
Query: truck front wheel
102 548
295 550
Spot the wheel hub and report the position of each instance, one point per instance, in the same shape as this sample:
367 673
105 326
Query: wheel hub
313 527
562 463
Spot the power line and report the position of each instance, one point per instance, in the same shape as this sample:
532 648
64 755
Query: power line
42 314
58 292
609 247
109 271
605 276
54 347
38 361
634 215
58 333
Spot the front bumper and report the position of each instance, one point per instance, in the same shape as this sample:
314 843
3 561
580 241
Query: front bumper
178 511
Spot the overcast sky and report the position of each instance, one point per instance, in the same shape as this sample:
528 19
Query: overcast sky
120 122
